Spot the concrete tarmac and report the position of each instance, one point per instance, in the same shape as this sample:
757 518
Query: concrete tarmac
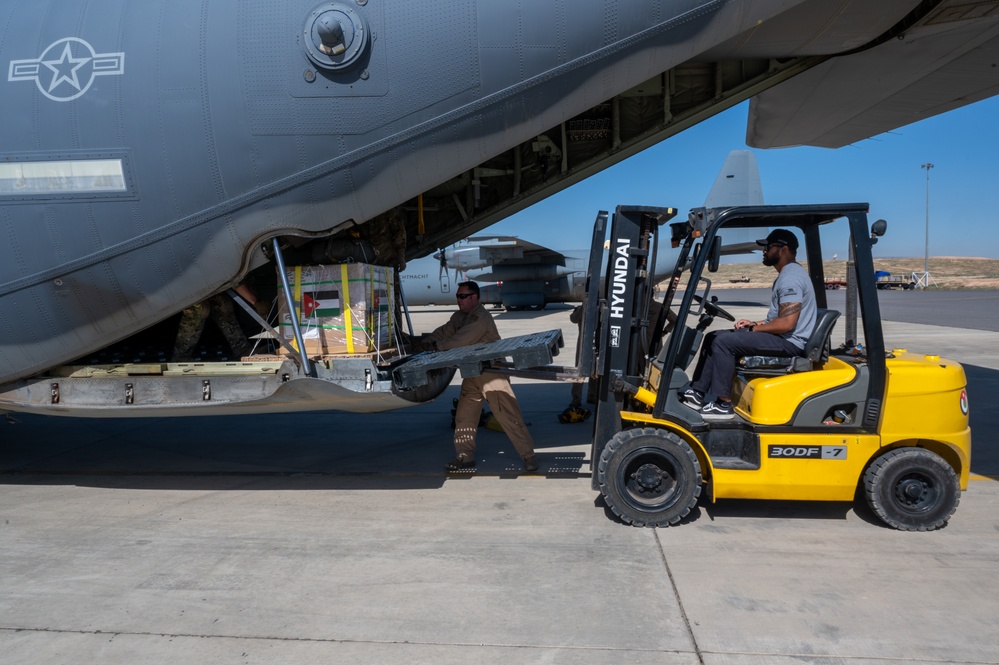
337 538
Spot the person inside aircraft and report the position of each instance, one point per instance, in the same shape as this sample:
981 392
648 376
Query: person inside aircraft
219 307
472 324
387 235
380 241
783 332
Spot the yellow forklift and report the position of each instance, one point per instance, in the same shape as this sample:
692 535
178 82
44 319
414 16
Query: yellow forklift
892 423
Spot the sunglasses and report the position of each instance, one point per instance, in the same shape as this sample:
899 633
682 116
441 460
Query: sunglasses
462 296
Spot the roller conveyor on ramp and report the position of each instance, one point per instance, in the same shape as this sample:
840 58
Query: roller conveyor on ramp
524 352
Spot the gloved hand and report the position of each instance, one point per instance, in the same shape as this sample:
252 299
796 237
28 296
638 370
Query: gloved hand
423 343
416 343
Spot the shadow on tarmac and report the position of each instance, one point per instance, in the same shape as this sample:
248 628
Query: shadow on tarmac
706 512
398 450
808 510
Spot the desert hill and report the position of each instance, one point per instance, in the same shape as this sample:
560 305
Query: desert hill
949 272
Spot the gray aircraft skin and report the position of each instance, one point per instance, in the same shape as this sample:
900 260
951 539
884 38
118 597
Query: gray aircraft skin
151 151
519 274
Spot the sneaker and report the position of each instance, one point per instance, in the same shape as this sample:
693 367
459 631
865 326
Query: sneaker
460 462
718 410
692 398
531 464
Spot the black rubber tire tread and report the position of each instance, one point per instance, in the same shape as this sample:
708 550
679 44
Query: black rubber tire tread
919 465
628 448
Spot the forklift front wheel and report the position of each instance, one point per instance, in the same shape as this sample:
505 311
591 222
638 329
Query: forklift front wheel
912 489
649 477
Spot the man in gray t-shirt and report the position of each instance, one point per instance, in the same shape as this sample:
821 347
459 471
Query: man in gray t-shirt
784 332
793 286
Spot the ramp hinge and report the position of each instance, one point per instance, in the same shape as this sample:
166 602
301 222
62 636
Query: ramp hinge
55 393
129 394
206 390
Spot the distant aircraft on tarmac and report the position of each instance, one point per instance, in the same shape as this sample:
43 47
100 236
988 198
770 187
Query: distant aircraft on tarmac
520 274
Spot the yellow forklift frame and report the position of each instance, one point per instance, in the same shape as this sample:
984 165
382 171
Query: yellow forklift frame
893 423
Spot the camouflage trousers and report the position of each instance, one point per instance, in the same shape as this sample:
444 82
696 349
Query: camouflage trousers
192 324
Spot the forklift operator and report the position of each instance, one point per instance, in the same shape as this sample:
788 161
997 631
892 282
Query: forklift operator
783 332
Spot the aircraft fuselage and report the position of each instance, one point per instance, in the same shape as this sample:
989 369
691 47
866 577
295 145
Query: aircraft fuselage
149 148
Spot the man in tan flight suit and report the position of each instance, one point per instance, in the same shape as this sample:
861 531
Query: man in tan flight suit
472 324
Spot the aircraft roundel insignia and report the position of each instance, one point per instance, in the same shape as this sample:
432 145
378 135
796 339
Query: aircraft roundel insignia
66 69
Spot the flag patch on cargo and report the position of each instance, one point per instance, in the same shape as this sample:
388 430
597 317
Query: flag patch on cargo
320 303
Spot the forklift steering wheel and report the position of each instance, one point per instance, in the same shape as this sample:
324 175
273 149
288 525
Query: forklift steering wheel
713 309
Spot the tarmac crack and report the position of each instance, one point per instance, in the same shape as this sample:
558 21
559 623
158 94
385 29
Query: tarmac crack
332 640
679 600
822 657
111 634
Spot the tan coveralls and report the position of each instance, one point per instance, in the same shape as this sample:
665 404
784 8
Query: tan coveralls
474 328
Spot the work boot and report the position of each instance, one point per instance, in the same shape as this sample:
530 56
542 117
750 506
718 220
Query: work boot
460 463
573 414
493 423
531 464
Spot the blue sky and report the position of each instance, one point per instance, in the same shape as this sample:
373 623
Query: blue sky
884 171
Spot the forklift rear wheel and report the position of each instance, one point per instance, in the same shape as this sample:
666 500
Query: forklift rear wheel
649 477
912 489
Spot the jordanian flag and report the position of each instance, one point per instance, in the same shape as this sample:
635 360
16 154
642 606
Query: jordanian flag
380 301
321 304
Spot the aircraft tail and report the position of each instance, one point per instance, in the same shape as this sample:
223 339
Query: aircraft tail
738 182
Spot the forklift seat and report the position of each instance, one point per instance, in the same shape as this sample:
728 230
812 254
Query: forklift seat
816 351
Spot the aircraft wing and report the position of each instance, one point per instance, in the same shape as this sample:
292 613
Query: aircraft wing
944 62
511 250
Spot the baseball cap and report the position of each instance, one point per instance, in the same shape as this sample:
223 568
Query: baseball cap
780 237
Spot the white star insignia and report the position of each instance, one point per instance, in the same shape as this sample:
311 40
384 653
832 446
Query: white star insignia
65 69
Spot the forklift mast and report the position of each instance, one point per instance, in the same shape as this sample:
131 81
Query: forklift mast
622 313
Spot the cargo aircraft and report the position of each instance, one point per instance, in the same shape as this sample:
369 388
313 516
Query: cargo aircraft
155 153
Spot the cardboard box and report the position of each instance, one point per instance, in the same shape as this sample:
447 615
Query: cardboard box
342 308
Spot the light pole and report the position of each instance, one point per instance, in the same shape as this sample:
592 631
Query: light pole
924 281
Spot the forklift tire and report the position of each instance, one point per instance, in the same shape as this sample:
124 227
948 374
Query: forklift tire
912 489
649 477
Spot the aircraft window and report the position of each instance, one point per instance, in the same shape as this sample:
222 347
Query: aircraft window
49 177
